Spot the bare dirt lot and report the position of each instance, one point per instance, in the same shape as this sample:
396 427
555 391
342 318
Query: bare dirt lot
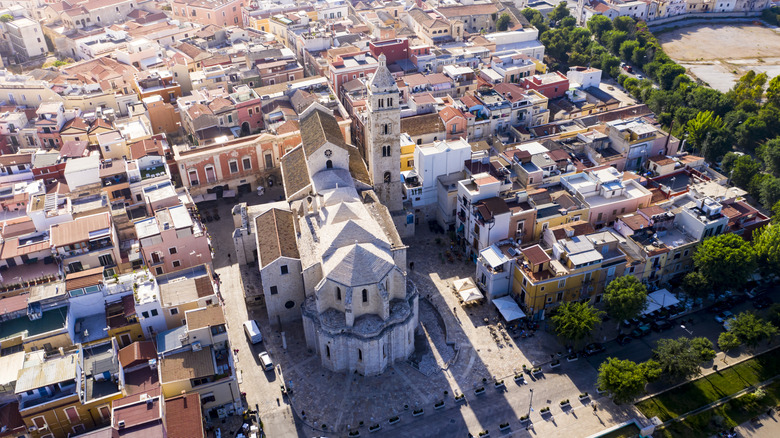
719 54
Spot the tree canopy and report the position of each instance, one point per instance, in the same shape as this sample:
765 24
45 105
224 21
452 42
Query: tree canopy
503 21
696 285
575 321
706 122
624 379
750 329
726 260
678 358
728 341
625 297
766 243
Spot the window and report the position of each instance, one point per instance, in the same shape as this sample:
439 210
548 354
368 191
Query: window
387 177
327 351
274 290
154 312
338 294
105 413
174 311
176 263
106 260
247 163
72 414
381 103
386 151
562 283
360 355
559 297
39 422
172 251
390 101
145 314
385 128
193 177
365 296
284 270
250 111
211 175
209 397
233 165
685 253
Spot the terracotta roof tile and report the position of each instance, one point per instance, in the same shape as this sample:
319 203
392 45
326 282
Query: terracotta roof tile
423 124
536 255
276 236
187 365
79 229
205 317
136 353
82 279
183 418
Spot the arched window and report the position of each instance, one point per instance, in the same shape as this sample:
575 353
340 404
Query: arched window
365 296
327 351
329 164
338 294
386 151
419 141
360 355
387 177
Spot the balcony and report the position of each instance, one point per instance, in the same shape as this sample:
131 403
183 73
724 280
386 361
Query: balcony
152 172
64 392
114 180
95 245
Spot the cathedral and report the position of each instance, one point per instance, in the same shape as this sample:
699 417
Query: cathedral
334 258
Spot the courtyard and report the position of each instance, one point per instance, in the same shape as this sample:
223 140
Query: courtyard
719 54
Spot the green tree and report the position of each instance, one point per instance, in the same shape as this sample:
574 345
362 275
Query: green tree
627 49
703 348
773 91
639 57
776 212
728 161
716 145
728 341
624 379
613 39
625 297
766 244
677 357
575 321
559 12
696 285
625 24
769 191
503 21
749 87
706 122
773 314
598 25
744 169
5 18
750 329
726 260
569 22
666 74
770 155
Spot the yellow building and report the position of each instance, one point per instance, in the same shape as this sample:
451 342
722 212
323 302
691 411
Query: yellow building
68 393
554 209
407 152
577 269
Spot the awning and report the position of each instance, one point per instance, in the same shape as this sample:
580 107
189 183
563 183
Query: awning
467 290
508 308
229 194
659 299
203 198
493 256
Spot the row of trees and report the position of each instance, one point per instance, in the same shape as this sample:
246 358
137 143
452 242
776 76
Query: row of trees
726 261
714 122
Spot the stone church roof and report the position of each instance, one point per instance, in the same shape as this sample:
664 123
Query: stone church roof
275 236
382 80
359 265
318 128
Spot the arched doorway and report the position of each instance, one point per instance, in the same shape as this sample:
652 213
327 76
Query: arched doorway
329 164
245 129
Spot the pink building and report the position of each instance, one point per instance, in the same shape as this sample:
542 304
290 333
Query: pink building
607 194
345 68
247 104
454 122
51 118
172 240
216 12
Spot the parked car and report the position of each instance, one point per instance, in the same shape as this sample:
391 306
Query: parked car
640 77
265 361
762 302
722 316
757 292
594 348
641 331
718 307
661 325
624 339
736 299
252 331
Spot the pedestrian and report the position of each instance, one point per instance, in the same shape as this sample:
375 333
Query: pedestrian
594 407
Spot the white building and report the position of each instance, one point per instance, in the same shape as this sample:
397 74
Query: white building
23 34
430 162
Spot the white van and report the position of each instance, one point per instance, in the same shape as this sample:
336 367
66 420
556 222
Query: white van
252 332
265 360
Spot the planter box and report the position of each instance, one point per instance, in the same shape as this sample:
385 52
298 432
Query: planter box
479 391
520 378
555 365
354 433
418 413
499 384
460 398
525 421
487 435
438 405
565 405
601 391
572 359
536 372
504 429
394 420
584 397
374 428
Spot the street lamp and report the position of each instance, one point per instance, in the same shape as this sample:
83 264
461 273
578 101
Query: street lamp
686 329
531 403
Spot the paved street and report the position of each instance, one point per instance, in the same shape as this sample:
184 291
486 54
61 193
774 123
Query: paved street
458 351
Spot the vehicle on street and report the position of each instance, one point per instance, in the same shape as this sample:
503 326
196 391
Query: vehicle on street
762 302
723 316
661 325
624 339
727 324
252 331
641 331
265 360
640 77
594 348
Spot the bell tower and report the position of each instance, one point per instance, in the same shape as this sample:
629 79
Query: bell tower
383 133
